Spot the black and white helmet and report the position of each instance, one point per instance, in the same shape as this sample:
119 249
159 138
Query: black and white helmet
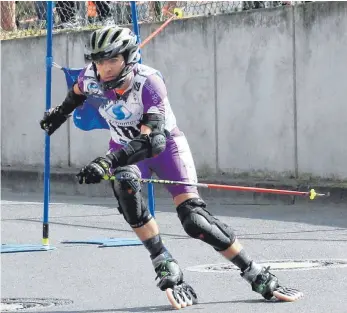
110 41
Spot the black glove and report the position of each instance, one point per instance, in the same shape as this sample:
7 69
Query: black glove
95 171
53 119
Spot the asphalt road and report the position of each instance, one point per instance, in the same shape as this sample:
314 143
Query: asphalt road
121 279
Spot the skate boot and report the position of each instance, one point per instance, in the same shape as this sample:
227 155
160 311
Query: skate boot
171 281
267 285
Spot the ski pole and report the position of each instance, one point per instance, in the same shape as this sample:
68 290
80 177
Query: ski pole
177 14
312 194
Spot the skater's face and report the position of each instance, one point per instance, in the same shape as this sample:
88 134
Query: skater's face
111 68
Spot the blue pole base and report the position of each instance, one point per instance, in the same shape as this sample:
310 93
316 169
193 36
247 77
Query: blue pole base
13 248
108 242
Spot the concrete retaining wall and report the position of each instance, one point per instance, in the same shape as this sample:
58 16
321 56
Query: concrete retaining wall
259 92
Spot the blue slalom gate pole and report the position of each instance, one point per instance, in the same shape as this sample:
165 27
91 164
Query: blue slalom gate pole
151 200
135 22
49 61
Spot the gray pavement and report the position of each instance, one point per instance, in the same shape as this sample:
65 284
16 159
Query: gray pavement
121 279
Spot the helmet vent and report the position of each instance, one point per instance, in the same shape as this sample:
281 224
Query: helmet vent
93 40
102 39
125 43
114 37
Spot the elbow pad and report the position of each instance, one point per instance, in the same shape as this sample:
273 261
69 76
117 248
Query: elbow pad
71 102
157 142
154 121
138 149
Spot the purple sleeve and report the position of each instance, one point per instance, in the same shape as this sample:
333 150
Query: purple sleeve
153 95
80 81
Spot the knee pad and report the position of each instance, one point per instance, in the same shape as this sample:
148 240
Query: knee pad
199 223
129 172
128 194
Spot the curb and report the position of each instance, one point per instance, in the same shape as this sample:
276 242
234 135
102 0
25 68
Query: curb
63 182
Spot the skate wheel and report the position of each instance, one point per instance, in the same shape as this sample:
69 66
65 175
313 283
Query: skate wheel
180 292
187 298
190 293
174 298
287 294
